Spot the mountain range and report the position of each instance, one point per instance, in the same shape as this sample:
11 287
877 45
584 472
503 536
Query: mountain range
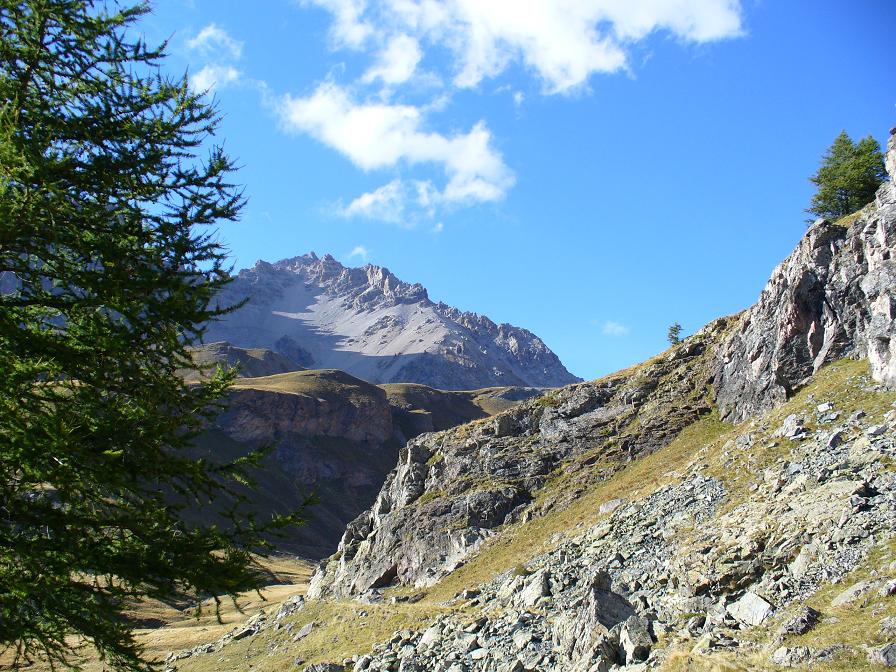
366 322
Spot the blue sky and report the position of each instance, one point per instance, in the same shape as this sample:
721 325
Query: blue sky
592 170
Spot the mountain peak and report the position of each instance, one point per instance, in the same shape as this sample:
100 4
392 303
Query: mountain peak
367 321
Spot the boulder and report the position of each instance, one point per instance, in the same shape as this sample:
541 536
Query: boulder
883 655
853 593
537 586
750 609
635 640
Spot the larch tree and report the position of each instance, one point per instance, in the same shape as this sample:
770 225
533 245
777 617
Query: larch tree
110 187
849 175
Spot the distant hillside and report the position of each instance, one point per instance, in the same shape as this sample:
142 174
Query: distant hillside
321 314
331 434
249 362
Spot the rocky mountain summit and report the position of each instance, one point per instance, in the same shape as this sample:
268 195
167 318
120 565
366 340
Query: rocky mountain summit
727 504
321 314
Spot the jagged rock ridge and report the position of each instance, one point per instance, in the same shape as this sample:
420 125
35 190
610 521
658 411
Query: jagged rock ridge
321 314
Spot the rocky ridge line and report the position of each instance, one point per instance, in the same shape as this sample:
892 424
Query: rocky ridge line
366 321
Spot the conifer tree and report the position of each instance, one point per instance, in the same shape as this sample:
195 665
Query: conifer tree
108 270
674 334
849 175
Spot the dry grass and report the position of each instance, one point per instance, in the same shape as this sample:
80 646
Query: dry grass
849 220
341 629
181 629
316 383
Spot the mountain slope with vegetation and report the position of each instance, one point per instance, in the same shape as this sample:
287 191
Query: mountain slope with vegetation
728 504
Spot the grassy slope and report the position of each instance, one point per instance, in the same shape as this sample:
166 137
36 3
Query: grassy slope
323 383
448 407
248 361
346 628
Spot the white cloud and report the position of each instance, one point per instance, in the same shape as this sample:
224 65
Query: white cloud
438 228
563 41
213 76
397 62
361 252
218 49
397 202
348 28
215 41
612 328
377 135
386 204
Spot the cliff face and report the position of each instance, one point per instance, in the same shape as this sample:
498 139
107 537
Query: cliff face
366 321
835 295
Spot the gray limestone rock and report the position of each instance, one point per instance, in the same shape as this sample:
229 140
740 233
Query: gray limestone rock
853 593
635 640
883 655
750 609
834 296
800 623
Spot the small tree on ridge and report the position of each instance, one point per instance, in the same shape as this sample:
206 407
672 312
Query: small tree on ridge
849 175
674 334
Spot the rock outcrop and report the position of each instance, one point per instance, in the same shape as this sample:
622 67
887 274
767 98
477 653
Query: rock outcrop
321 314
834 296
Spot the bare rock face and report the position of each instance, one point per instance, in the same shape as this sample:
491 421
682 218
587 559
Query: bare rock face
366 321
834 296
328 434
